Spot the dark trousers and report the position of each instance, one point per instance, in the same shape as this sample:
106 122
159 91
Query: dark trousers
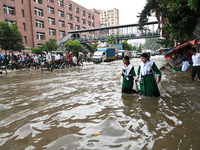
195 71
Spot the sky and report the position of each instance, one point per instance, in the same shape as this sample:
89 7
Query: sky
128 9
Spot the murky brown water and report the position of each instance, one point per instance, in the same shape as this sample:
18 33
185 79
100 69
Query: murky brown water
64 110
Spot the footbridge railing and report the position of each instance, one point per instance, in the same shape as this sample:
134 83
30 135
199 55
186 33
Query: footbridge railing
120 32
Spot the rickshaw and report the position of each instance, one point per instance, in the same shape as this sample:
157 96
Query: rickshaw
3 66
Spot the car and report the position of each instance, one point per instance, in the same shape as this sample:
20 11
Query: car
137 55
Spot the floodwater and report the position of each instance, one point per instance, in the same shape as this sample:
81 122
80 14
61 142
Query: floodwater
83 109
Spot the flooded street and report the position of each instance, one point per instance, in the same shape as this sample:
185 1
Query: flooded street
83 109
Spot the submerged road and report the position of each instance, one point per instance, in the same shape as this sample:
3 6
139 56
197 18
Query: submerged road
83 108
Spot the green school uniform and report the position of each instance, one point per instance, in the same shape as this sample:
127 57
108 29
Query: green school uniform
127 79
148 85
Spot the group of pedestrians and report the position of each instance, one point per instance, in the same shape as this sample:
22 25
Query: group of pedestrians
148 75
17 61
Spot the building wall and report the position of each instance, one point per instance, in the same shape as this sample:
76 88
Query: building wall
110 18
27 22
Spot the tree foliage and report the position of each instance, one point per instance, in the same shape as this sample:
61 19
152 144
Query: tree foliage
36 50
111 40
152 43
126 45
50 45
10 37
74 46
194 5
94 47
84 49
180 17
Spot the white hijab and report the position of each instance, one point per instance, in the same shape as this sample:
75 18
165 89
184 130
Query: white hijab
127 69
146 68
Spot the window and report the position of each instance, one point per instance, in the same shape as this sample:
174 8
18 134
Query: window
83 21
9 10
69 16
40 35
89 23
24 25
89 15
50 1
52 31
23 13
70 26
25 40
39 44
22 1
77 19
60 3
83 12
61 23
38 11
83 28
50 10
93 17
51 21
38 1
60 13
39 23
62 33
77 27
69 6
76 9
10 22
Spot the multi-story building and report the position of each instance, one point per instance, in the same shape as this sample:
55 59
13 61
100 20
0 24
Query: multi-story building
110 18
41 20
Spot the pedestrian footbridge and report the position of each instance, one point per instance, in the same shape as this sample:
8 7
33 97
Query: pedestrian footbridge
120 32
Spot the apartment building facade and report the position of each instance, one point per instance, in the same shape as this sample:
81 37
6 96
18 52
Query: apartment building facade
41 20
110 18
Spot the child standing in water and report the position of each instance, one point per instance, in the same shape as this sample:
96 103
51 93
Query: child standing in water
146 77
127 75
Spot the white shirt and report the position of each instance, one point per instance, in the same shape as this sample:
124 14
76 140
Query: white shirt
57 57
48 57
36 59
196 59
74 59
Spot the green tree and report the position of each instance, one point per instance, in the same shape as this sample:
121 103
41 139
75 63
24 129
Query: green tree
111 40
140 48
126 45
74 46
194 5
152 43
50 45
180 17
134 47
85 50
94 47
10 37
36 50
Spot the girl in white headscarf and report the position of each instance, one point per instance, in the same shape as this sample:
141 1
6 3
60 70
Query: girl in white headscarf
127 76
148 76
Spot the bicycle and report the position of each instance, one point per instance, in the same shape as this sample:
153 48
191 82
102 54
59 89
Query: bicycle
3 67
46 66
